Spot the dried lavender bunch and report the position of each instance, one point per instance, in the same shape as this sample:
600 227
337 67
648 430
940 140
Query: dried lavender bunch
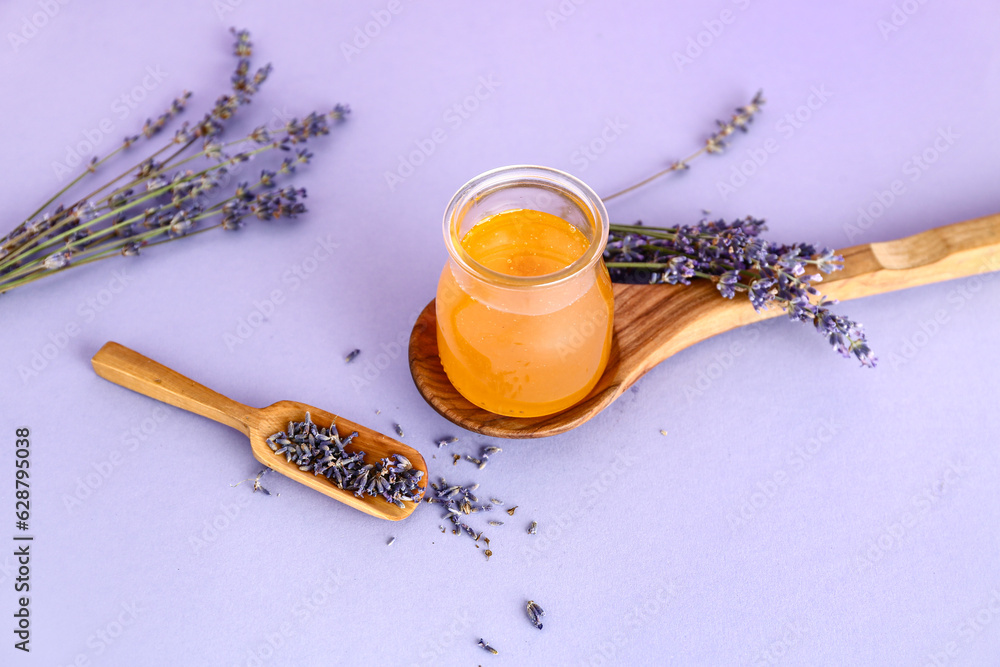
715 143
176 192
324 452
736 259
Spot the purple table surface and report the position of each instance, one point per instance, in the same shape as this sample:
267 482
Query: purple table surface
798 510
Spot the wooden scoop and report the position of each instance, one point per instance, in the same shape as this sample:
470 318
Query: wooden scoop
130 369
654 322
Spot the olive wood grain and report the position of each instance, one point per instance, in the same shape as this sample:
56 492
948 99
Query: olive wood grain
131 370
654 322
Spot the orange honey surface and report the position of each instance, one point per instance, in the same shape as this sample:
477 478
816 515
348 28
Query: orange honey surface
526 351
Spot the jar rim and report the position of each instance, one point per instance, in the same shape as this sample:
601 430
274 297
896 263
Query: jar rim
526 175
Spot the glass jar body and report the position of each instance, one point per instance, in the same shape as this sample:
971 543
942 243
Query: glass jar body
525 346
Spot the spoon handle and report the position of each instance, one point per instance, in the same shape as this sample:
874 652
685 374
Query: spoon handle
655 322
943 253
131 370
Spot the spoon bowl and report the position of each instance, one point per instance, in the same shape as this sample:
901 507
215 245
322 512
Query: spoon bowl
654 322
132 370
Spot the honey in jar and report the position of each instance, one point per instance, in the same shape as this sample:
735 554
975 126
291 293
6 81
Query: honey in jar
524 305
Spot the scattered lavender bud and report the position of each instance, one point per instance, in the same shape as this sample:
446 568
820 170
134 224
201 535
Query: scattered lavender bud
486 646
351 356
533 528
257 485
391 540
399 430
256 480
535 613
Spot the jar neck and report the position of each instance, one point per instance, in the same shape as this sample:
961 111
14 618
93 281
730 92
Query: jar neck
527 187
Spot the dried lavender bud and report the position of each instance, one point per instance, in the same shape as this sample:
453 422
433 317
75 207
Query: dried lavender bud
352 355
535 613
257 485
322 451
256 480
486 646
399 430
391 540
446 441
533 528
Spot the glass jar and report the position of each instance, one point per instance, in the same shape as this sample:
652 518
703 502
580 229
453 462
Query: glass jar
524 305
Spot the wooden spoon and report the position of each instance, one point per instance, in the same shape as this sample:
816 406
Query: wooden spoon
654 322
130 369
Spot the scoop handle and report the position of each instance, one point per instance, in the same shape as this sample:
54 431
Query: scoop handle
132 370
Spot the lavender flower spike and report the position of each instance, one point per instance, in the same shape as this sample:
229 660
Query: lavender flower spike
736 259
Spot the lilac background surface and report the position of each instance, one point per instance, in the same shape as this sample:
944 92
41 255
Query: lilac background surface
799 510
